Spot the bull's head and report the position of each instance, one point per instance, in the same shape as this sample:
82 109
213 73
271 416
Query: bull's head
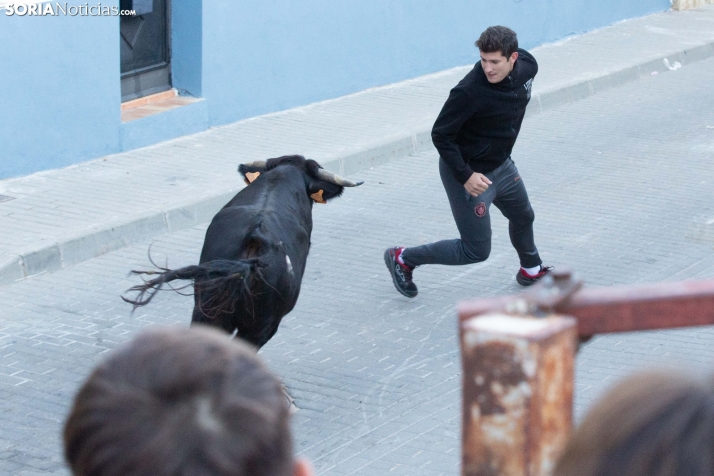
321 185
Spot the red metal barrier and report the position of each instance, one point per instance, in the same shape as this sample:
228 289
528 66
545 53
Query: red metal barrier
518 359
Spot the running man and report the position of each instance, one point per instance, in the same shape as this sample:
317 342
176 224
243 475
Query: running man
474 135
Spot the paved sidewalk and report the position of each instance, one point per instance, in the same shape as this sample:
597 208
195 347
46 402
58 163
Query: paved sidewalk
62 217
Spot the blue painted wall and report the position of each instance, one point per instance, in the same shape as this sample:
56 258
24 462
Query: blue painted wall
59 91
187 46
262 56
59 76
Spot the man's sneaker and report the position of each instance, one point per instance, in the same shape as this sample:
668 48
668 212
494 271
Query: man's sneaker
401 274
525 279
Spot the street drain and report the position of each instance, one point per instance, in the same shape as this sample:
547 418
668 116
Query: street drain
6 198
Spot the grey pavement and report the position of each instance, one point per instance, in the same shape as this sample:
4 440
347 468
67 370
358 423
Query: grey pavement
63 217
622 183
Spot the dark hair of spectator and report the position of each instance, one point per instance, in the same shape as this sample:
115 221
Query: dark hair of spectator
180 402
654 424
498 38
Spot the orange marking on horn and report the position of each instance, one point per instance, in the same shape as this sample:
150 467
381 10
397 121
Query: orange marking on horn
317 196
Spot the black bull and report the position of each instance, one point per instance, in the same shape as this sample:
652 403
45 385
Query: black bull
255 249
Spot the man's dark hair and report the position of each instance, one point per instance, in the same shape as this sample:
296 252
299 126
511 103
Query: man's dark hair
176 402
659 423
498 38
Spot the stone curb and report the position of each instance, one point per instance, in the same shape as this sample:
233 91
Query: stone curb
95 241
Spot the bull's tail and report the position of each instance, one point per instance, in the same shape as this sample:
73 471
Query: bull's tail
213 275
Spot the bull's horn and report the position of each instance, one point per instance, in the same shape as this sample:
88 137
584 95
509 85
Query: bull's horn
258 164
323 174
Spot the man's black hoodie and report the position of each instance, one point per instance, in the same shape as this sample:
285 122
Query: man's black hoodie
479 123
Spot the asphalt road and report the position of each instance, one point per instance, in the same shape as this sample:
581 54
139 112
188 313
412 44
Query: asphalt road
623 188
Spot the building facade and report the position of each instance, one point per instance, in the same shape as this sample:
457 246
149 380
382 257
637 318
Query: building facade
68 69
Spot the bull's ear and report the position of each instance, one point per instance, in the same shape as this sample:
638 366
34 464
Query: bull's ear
251 171
317 196
250 177
322 191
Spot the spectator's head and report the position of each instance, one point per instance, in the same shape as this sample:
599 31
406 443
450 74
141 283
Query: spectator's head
654 424
181 402
497 46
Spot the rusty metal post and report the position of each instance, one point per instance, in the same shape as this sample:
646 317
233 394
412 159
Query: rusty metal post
517 392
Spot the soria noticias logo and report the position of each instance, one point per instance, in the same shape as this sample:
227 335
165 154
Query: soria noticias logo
22 9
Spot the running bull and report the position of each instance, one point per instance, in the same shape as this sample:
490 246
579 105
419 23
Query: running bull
255 249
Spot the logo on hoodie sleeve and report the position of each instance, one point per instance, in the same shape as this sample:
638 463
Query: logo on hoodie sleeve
528 86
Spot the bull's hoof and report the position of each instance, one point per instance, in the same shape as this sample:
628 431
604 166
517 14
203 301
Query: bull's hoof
289 401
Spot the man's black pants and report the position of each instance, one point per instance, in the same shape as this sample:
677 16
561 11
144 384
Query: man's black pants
472 215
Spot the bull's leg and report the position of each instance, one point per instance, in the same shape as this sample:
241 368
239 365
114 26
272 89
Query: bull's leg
204 314
258 336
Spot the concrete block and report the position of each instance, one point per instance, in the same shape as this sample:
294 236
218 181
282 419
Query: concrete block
687 4
614 79
192 213
533 106
578 91
422 141
331 164
140 227
566 95
11 269
45 257
84 246
551 100
111 236
697 53
653 66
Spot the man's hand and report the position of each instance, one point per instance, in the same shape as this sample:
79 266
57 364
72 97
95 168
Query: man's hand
477 184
